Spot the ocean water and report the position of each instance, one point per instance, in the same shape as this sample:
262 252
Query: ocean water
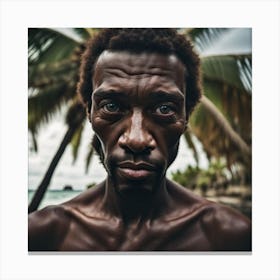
53 197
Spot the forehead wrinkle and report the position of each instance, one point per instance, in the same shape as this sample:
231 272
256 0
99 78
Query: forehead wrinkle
135 72
123 69
150 84
129 63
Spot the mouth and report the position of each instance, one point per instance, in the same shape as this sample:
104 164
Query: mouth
136 171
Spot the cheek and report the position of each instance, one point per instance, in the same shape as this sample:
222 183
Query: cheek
172 133
101 130
97 125
169 140
107 133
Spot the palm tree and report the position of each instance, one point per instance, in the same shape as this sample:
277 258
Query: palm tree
222 122
53 60
74 119
53 73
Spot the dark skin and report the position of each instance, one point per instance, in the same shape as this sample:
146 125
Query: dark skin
138 114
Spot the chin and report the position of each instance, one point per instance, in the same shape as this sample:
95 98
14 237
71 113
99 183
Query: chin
136 188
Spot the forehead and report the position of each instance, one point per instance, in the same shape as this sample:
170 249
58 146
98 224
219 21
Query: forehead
150 68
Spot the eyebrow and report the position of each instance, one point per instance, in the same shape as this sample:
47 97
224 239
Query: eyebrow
107 94
104 93
175 96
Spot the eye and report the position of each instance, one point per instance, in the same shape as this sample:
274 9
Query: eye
111 107
164 109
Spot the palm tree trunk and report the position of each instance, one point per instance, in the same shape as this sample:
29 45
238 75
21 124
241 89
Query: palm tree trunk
225 125
39 194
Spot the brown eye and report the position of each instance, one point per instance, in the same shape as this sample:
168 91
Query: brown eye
164 110
111 107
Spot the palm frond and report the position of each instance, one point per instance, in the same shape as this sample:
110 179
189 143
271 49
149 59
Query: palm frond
75 34
245 69
42 106
75 142
48 45
234 104
203 38
47 74
217 135
224 124
231 69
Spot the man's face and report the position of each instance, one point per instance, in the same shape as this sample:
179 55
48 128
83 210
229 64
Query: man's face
138 114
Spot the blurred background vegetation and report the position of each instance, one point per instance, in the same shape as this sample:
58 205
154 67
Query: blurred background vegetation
221 123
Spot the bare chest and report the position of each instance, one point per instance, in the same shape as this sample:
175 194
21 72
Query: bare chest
101 235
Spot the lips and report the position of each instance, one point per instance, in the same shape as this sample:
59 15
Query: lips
136 171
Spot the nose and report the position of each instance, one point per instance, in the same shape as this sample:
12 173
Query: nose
136 138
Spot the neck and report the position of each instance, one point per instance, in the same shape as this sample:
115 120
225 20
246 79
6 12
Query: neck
135 205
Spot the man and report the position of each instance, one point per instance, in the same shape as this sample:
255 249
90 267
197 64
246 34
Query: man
139 87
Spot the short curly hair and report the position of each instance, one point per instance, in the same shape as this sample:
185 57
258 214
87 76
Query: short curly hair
157 40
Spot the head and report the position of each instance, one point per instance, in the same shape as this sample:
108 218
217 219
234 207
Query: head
139 87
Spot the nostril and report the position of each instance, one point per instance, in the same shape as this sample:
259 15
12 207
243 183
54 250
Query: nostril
136 145
130 150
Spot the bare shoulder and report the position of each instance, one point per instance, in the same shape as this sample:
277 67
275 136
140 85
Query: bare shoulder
226 228
46 227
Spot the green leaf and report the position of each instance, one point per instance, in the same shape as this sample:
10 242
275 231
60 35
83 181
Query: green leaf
47 74
225 69
47 45
203 38
42 106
